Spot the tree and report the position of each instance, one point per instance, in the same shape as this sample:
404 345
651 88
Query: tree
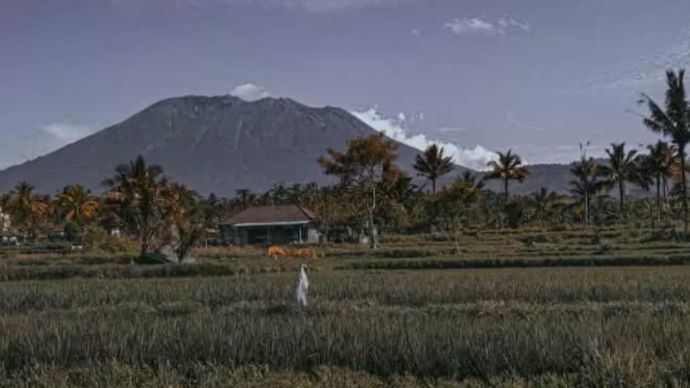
137 187
473 180
454 204
543 200
622 168
184 215
508 167
27 208
658 164
76 204
672 121
366 165
244 198
213 209
432 164
589 180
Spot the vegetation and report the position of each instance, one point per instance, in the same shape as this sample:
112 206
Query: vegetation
433 164
466 287
672 120
571 327
508 167
366 167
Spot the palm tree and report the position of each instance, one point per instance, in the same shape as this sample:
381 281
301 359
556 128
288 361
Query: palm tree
658 164
508 167
589 180
244 198
137 187
184 214
433 164
671 120
542 200
471 180
622 168
27 208
77 204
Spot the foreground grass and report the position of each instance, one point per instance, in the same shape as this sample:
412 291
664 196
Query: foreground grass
538 327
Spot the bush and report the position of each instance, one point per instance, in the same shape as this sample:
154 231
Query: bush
96 239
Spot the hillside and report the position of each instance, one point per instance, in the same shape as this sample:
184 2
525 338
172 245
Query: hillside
222 144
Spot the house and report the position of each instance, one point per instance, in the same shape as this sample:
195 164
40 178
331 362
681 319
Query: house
266 225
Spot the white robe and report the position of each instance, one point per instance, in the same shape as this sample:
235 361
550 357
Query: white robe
302 287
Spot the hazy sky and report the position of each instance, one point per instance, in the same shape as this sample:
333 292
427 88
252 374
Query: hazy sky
538 76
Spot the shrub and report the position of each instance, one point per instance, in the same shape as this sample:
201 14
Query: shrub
96 239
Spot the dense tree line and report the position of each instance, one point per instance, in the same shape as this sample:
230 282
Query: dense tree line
373 196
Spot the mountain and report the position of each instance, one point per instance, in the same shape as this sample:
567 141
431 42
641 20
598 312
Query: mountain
212 144
222 144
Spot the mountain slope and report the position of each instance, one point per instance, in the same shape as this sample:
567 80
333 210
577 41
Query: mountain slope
213 144
222 144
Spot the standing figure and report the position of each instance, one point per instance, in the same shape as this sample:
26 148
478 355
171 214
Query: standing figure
302 286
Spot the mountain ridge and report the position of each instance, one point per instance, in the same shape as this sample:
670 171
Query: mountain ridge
219 144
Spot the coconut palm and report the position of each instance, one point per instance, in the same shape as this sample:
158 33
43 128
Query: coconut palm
508 167
471 180
183 213
589 180
27 208
137 187
76 204
432 164
658 164
622 167
672 121
542 201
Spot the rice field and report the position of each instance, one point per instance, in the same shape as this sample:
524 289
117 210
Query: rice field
236 324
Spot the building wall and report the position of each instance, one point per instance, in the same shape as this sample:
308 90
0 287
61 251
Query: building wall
266 235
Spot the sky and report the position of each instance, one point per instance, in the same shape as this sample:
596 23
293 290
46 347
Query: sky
477 76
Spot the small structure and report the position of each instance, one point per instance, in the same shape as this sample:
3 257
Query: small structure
266 225
11 238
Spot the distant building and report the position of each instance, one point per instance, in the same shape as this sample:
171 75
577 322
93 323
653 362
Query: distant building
266 225
5 221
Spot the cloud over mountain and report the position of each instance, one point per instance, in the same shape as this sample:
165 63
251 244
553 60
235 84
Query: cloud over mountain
475 158
249 92
479 26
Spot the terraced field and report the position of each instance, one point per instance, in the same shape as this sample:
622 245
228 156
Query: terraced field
231 320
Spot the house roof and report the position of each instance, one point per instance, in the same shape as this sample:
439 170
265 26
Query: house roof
272 215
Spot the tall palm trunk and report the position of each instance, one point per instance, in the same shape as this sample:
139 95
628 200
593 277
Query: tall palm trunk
658 197
621 196
684 187
505 190
586 208
433 186
373 235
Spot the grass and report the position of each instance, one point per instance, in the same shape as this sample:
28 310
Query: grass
587 327
516 308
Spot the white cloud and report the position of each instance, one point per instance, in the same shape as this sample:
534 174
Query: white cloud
416 32
479 26
66 133
475 158
249 92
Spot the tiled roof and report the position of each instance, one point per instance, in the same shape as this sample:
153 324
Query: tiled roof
271 214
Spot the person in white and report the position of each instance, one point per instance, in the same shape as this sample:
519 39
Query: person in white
302 286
